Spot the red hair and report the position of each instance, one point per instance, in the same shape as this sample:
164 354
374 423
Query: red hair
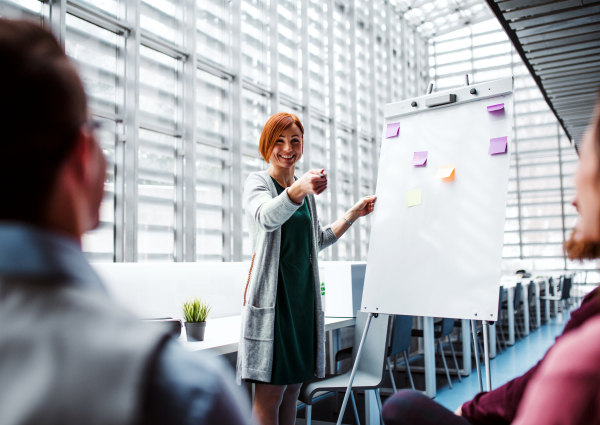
273 129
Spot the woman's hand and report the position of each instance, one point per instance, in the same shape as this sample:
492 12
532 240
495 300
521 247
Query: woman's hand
310 183
362 208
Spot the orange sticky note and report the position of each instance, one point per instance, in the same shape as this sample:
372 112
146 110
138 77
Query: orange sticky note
445 172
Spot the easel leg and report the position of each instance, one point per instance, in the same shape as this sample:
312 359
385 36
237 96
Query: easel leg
486 350
478 366
354 368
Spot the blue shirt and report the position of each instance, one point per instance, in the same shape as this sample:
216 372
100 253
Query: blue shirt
182 387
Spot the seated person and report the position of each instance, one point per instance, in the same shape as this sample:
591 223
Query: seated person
566 388
500 406
68 354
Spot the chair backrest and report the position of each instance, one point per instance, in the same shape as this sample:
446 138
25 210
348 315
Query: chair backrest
531 293
447 327
401 331
566 289
500 299
374 351
551 285
518 295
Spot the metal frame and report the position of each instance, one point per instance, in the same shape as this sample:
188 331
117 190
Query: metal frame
126 24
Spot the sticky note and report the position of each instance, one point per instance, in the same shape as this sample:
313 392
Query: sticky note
494 108
392 130
445 171
413 197
419 158
498 145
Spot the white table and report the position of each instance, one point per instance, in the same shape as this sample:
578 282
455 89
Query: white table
223 335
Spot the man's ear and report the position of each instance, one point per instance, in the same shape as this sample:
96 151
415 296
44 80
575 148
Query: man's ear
77 159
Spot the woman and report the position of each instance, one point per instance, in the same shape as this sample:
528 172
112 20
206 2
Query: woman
283 332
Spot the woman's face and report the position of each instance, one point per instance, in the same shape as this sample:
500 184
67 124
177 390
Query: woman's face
587 182
288 148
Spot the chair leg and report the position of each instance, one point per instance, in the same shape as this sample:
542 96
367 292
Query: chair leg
308 413
454 357
444 361
412 384
354 406
501 332
389 366
380 405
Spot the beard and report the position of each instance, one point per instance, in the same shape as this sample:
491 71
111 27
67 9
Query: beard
578 249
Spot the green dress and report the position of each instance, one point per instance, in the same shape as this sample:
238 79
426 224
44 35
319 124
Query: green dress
294 338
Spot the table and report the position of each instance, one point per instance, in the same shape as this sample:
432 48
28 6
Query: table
223 335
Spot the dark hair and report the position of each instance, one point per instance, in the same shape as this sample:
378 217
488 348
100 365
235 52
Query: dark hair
42 108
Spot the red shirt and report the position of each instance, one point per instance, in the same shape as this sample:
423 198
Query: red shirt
566 390
499 407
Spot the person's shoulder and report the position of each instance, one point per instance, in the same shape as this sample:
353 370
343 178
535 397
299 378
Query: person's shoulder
257 180
203 388
576 353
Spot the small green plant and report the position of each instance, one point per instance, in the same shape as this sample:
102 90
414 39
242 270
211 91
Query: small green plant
195 311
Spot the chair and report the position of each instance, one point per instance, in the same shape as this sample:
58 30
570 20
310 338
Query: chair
531 300
441 329
518 299
565 291
400 343
370 371
501 345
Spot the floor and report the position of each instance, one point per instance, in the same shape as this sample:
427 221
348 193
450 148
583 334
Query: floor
513 362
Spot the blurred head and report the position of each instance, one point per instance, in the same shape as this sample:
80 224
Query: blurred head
282 140
584 243
51 165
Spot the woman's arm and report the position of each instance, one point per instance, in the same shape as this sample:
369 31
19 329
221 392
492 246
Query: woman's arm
362 208
268 212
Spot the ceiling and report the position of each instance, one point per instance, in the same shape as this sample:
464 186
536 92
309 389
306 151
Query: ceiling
559 41
439 17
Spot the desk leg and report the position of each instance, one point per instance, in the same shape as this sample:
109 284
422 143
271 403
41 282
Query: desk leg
492 327
429 354
466 347
555 303
526 309
547 301
334 347
511 315
371 408
538 314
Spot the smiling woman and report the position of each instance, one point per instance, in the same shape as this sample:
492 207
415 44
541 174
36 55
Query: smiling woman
283 331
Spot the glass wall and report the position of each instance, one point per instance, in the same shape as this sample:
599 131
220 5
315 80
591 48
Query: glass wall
539 215
184 87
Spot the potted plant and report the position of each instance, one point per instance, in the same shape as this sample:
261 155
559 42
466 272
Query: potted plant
195 313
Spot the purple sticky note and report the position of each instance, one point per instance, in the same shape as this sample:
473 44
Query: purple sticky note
498 145
392 130
419 159
494 108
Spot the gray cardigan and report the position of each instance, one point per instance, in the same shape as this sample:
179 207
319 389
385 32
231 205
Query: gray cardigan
266 212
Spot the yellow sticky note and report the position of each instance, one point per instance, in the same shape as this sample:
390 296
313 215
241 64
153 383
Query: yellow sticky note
445 172
413 197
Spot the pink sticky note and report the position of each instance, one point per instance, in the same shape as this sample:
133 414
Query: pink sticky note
420 159
498 145
392 130
494 108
